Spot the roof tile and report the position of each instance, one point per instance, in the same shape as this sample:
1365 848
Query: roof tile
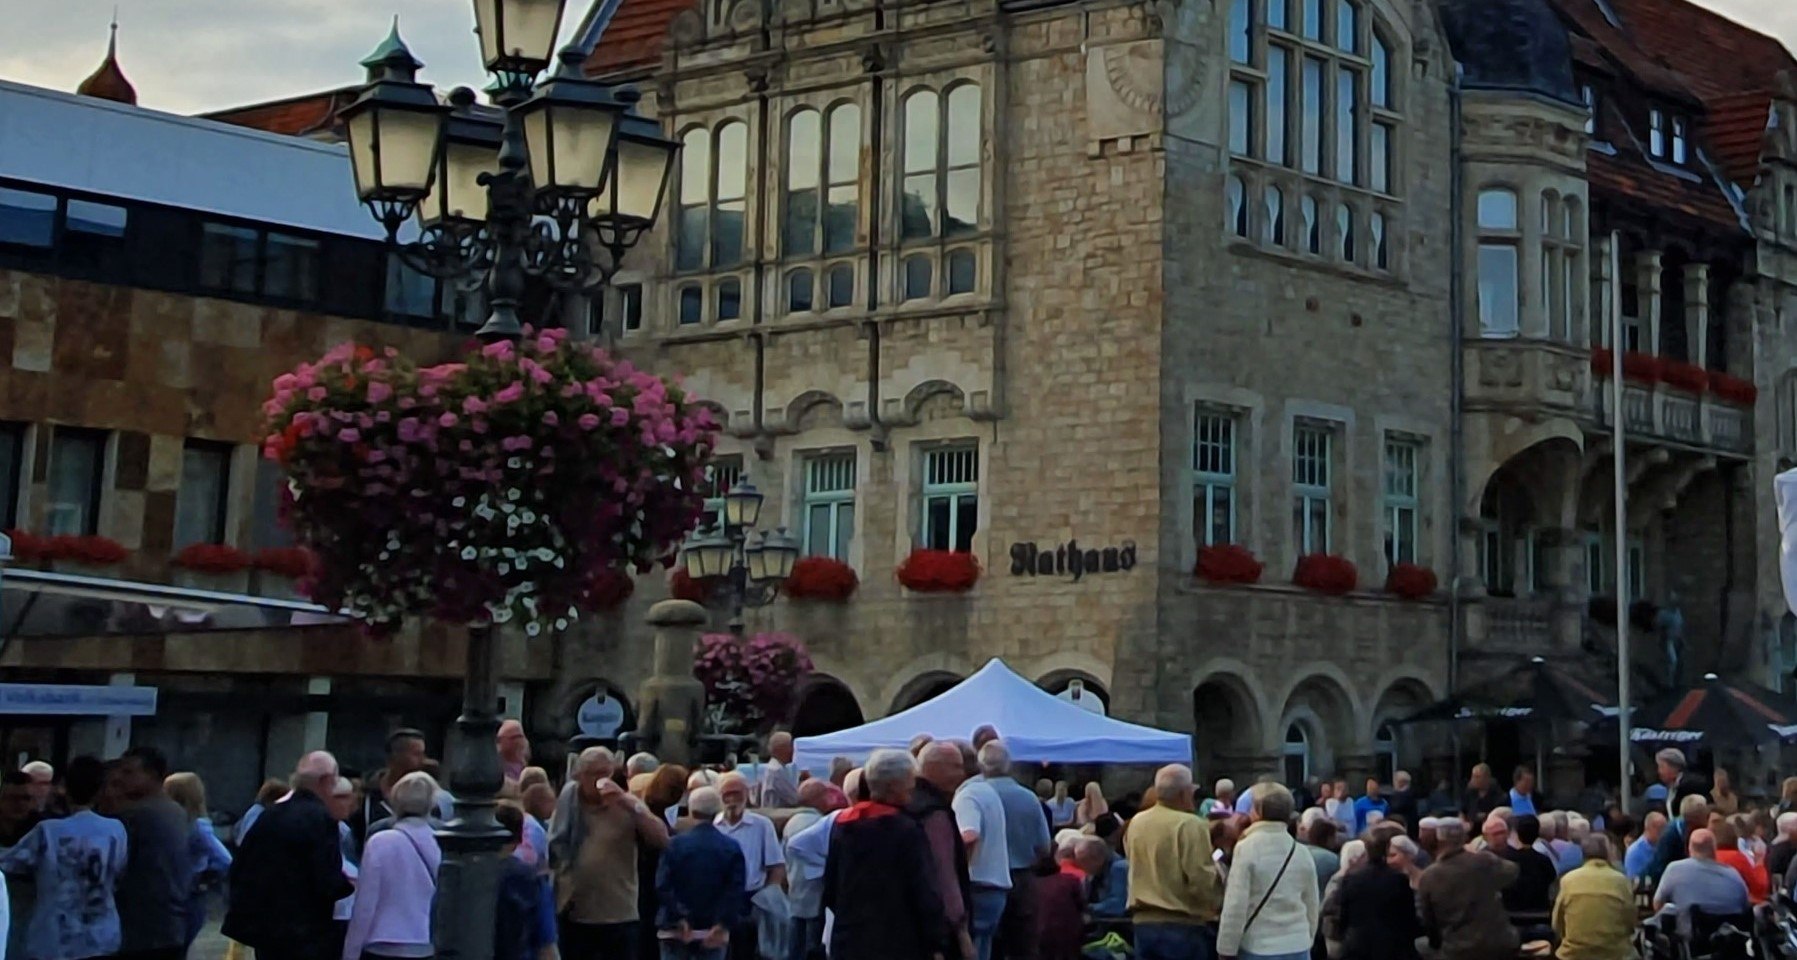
635 36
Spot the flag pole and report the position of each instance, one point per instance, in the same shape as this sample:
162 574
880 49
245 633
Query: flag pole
1618 342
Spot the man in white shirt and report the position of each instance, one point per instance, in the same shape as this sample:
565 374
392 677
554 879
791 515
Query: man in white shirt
779 786
764 860
981 816
805 881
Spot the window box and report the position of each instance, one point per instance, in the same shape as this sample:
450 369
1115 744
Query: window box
1410 581
1642 367
1228 563
1603 362
821 578
83 554
28 547
212 558
1326 573
609 590
292 562
1688 377
939 571
1733 389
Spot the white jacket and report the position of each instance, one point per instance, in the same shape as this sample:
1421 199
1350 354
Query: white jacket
1288 921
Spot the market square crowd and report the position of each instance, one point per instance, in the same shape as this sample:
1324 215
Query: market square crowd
943 851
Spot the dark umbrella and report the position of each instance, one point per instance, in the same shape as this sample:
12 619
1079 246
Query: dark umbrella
1716 713
1528 691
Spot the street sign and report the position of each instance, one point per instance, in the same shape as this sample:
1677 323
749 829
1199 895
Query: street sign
73 700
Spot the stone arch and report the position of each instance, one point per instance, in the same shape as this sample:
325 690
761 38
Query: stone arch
934 397
813 409
1554 445
824 704
1399 697
924 686
899 682
1322 703
1072 662
1227 723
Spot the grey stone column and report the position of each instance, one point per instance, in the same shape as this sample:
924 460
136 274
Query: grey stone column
671 704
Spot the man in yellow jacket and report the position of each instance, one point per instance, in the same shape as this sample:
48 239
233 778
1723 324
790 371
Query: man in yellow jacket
1175 892
1594 915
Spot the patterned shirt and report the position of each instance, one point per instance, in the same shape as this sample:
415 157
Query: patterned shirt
77 862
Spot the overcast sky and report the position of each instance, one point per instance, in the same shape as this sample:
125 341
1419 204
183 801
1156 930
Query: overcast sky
190 56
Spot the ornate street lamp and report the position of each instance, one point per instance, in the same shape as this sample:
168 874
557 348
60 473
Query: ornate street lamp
556 180
754 563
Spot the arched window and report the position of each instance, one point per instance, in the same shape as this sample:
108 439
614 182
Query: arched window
917 277
1274 223
1500 241
695 199
730 299
1237 198
823 173
799 287
729 194
1296 753
961 271
841 285
692 304
942 138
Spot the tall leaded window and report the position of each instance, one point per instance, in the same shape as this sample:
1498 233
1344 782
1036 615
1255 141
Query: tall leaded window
1402 507
200 503
1213 478
1311 476
1562 264
941 157
823 180
1500 245
77 467
830 505
714 182
1312 95
950 497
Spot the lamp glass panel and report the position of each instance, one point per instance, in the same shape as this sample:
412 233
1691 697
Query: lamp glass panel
742 505
642 175
567 146
407 148
525 31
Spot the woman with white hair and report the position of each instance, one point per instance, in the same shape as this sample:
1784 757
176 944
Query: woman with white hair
1353 857
392 914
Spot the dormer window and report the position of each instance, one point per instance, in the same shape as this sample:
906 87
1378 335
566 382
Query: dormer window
1588 93
1656 132
1679 140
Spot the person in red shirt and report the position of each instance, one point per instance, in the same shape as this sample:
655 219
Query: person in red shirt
1729 832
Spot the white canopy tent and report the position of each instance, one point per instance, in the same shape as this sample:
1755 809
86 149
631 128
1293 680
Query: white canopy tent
1037 726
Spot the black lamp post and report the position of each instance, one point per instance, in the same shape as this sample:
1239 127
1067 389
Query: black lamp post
557 184
755 563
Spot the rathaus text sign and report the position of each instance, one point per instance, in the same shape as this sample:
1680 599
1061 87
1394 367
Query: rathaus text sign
1070 559
71 700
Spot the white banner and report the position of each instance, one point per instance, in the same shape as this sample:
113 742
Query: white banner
71 700
1784 490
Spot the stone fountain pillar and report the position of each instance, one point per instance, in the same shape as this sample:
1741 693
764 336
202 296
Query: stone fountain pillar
671 704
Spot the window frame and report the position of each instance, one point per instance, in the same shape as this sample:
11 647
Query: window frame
218 525
1307 493
1207 484
730 466
1402 510
1508 238
97 481
12 470
833 501
954 492
943 166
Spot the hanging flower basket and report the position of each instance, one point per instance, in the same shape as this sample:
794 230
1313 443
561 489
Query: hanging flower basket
1410 581
821 578
939 571
294 562
1642 367
1688 377
1228 563
682 586
608 590
1734 389
212 558
1326 573
1603 362
749 682
490 490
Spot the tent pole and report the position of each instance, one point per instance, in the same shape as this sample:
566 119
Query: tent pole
1618 342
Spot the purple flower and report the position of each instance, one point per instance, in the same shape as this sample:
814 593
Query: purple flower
474 405
510 394
588 421
449 419
619 416
550 419
349 435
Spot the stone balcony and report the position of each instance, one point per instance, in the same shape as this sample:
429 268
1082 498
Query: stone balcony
1670 415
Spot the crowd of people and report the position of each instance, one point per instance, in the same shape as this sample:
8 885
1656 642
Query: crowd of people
942 851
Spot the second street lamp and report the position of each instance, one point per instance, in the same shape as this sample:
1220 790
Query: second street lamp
753 564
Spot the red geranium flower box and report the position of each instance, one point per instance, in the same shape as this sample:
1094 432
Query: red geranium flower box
88 550
939 571
28 547
608 590
1642 367
1734 389
822 578
212 558
682 586
1228 563
1602 362
292 562
1410 581
1685 376
1326 573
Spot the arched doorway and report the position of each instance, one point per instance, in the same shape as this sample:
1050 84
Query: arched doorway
1323 711
923 687
824 705
1385 752
1226 727
1078 687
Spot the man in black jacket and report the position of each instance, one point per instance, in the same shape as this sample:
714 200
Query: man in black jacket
289 872
877 877
940 771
